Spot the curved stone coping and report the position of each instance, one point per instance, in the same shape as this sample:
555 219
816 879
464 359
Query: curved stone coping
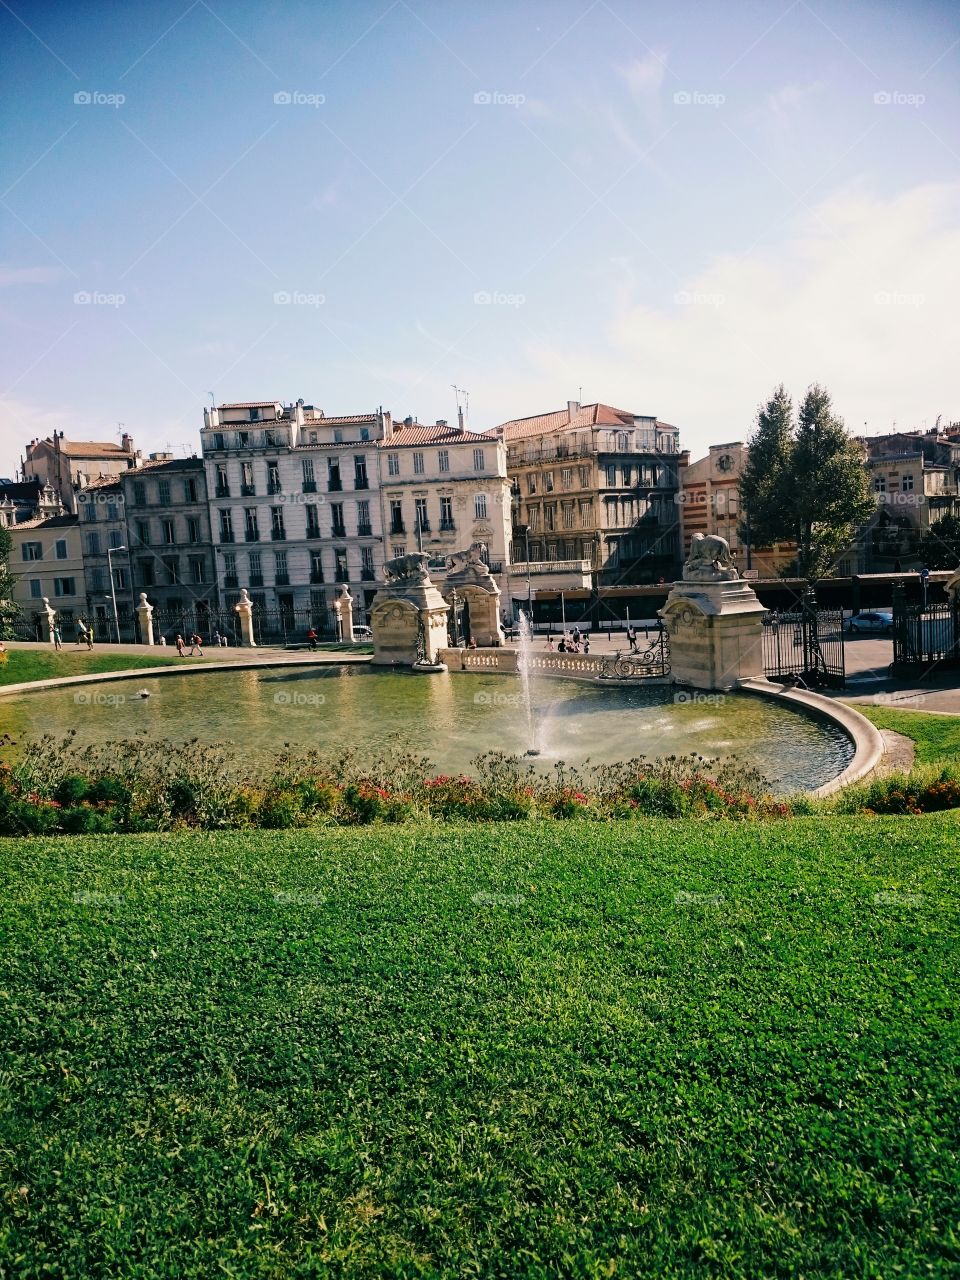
866 737
174 669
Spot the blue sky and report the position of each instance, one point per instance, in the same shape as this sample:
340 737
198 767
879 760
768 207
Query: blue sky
670 206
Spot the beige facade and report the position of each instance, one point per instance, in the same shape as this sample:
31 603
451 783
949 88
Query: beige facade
47 560
70 466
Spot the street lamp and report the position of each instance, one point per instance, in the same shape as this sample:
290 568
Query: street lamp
524 532
113 591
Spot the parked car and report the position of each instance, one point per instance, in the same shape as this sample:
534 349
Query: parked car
876 620
362 633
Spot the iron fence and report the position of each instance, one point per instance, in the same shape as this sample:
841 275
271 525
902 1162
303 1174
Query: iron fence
805 645
924 635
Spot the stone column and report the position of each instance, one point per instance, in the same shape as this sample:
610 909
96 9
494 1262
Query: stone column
345 613
145 618
49 619
244 611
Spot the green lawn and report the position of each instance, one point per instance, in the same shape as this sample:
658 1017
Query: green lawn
937 738
669 1049
33 664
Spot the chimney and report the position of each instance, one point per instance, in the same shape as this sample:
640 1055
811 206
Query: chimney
460 416
573 408
408 422
126 442
442 422
386 422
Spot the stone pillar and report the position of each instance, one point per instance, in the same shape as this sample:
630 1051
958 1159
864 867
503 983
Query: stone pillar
244 611
409 617
716 633
469 576
49 619
145 618
345 614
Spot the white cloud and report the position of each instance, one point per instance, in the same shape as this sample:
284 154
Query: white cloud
11 276
644 76
791 97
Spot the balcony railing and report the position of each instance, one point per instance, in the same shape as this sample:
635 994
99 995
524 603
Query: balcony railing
282 579
231 580
226 535
309 486
397 526
367 575
248 490
447 526
316 576
520 567
256 579
278 535
361 482
334 485
252 535
364 530
223 491
424 526
274 487
314 531
339 531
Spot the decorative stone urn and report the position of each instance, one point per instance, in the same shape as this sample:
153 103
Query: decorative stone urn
408 616
470 577
714 620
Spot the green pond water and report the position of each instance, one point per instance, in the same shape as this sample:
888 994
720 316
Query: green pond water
450 718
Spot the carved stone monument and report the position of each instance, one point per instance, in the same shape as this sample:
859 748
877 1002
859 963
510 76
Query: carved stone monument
408 616
470 576
244 611
714 620
343 612
145 618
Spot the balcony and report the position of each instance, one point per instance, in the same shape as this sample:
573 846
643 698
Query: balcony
274 487
334 485
226 535
282 579
248 490
424 526
231 580
397 526
339 531
309 486
367 575
222 491
316 576
361 482
313 531
278 535
252 535
256 579
364 530
447 526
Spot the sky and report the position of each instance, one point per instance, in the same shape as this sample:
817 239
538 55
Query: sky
669 207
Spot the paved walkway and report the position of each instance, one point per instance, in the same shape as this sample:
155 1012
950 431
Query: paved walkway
211 653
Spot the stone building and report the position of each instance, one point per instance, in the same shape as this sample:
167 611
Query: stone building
68 466
916 480
103 532
47 561
27 500
596 484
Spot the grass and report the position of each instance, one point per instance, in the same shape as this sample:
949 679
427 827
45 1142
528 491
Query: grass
673 1049
25 665
936 738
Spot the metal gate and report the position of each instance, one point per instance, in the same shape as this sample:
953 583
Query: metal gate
924 636
805 645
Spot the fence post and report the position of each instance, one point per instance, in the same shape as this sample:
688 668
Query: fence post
145 619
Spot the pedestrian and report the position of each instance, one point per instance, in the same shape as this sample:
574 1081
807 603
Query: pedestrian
179 643
81 632
551 647
196 643
223 640
163 641
586 644
56 637
216 638
576 635
90 636
562 646
312 637
632 637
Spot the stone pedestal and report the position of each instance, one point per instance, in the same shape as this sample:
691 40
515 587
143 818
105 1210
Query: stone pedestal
715 630
408 617
343 609
145 618
244 611
49 620
473 583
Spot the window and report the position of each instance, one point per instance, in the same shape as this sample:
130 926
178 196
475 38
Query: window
398 550
480 507
584 477
364 433
32 551
313 437
64 586
93 544
334 483
230 569
337 436
396 516
548 482
223 484
420 513
568 515
120 574
168 531
112 511
418 464
190 490
879 484
478 460
336 516
140 493
197 569
251 527
533 519
360 472
364 528
393 464
313 521
443 459
90 512
273 477
281 572
254 415
316 566
549 516
163 488
446 513
218 440
340 567
309 478
256 569
627 475
247 487
566 478
366 564
146 573
907 484
623 442
36 589
193 529
95 578
532 482
143 532
226 525
116 540
611 475
172 567
277 532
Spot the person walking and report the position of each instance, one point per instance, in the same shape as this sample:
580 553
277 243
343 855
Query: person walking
81 632
196 644
89 636
56 637
312 637
179 643
586 644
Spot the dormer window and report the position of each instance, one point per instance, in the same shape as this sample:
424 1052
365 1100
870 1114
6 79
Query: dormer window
254 415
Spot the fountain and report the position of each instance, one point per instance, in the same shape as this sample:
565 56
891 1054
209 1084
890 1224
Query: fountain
524 653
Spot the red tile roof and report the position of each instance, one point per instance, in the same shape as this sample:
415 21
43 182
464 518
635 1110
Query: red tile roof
89 448
588 415
419 433
252 404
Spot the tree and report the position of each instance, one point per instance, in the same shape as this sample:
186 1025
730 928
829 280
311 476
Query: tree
940 546
807 483
9 611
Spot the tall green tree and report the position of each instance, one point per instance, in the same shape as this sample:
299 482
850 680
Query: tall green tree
9 611
940 546
805 481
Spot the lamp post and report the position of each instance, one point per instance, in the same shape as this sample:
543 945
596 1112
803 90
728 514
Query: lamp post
455 601
113 590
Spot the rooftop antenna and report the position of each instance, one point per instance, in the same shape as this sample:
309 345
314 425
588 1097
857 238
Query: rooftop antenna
120 427
464 413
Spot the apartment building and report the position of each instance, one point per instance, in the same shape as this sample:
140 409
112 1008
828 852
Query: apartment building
709 499
294 505
916 480
69 466
444 488
105 550
22 500
597 485
47 561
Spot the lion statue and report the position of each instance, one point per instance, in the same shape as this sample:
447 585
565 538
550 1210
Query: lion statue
470 561
709 558
952 587
409 568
